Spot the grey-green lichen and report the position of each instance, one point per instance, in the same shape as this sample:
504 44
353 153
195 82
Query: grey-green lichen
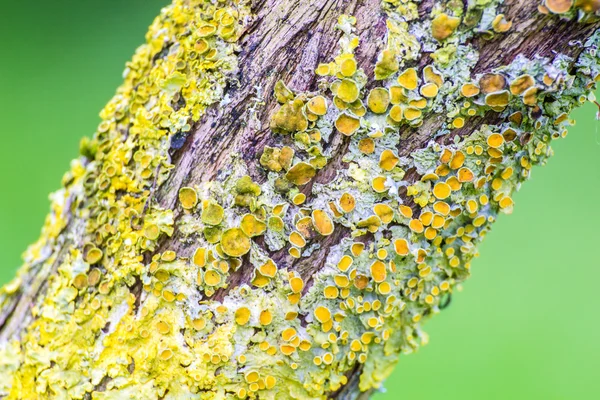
414 221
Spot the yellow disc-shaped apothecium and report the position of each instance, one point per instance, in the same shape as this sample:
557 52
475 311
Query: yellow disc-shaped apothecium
265 317
297 239
301 173
469 90
465 175
366 146
235 242
80 281
398 95
252 377
498 99
348 67
348 90
384 212
401 247
206 30
378 184
409 79
446 156
441 190
431 75
297 284
268 269
212 213
323 224
458 160
371 223
199 258
347 202
162 327
495 140
388 160
299 199
426 217
500 24
201 46
331 292
412 113
347 124
429 90
322 314
559 6
345 263
317 105
323 70
490 83
242 315
94 276
252 226
378 100
152 232
458 122
260 280
406 211
521 84
305 226
188 197
212 278
378 271
430 177
94 255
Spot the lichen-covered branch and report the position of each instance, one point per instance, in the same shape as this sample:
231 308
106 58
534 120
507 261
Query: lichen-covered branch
282 191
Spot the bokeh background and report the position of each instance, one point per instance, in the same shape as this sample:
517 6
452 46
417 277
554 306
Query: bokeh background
526 324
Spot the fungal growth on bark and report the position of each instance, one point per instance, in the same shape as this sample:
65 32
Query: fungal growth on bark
282 191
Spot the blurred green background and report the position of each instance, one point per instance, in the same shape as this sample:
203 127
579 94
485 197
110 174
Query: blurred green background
526 325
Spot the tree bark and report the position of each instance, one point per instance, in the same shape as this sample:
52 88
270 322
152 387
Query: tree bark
186 256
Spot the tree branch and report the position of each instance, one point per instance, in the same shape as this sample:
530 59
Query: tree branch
281 191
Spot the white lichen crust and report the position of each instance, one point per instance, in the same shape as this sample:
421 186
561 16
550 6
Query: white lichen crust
124 317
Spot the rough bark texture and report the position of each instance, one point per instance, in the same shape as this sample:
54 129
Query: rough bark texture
269 53
153 324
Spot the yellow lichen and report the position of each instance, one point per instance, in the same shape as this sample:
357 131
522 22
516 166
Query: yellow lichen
322 223
301 173
347 90
235 242
407 237
500 24
347 124
558 6
317 105
588 6
212 213
443 25
386 65
378 100
490 83
498 99
408 79
252 226
290 118
388 160
188 197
